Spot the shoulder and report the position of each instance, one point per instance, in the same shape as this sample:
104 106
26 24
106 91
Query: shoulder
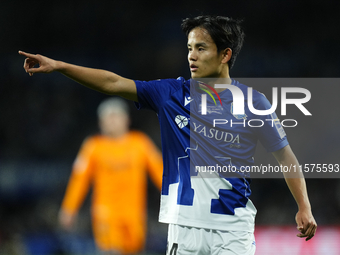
257 96
153 94
138 136
92 141
90 144
245 88
162 84
141 141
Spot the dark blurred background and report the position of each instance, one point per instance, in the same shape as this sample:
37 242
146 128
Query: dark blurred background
45 118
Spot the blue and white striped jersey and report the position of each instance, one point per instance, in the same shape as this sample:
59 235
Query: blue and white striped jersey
197 188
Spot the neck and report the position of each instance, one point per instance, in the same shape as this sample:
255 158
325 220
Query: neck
116 135
213 81
222 77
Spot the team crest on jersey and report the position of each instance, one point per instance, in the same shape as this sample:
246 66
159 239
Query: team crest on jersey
181 121
237 116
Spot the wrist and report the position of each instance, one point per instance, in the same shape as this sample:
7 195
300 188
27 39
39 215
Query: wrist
304 207
58 66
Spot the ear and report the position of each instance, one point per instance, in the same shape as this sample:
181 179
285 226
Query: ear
226 55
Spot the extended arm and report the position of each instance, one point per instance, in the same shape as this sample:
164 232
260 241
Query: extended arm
97 79
154 162
296 183
78 186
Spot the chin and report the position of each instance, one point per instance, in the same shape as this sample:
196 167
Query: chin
195 75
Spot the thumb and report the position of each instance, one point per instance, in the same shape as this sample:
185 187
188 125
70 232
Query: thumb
32 70
299 224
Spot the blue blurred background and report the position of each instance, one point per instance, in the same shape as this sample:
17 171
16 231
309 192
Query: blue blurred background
45 118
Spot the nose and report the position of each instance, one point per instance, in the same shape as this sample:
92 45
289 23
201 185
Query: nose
192 56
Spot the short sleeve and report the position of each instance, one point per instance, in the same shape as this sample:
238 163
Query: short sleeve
271 135
153 94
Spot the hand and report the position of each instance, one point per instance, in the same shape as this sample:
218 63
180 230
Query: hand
306 224
67 220
46 65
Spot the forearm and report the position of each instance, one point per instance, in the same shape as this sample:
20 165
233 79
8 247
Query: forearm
294 179
76 191
97 79
297 187
296 183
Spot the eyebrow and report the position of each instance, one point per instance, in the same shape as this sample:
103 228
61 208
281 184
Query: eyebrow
199 44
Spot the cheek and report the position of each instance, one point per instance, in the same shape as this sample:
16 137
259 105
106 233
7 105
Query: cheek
208 65
122 122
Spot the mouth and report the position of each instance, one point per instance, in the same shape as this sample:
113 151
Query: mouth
193 68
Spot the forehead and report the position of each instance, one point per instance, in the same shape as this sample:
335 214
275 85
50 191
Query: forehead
112 113
199 35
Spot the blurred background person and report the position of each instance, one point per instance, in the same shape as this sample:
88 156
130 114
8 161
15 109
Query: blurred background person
115 163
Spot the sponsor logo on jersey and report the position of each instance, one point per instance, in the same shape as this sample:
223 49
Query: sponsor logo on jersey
218 135
203 106
217 109
208 92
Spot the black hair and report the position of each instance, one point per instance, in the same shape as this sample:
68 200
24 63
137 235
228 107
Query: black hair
225 32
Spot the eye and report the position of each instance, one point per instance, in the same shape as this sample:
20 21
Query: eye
201 49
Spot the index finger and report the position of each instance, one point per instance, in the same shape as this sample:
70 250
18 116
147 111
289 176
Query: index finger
311 231
26 54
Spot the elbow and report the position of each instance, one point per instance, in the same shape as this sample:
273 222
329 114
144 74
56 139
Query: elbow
110 86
